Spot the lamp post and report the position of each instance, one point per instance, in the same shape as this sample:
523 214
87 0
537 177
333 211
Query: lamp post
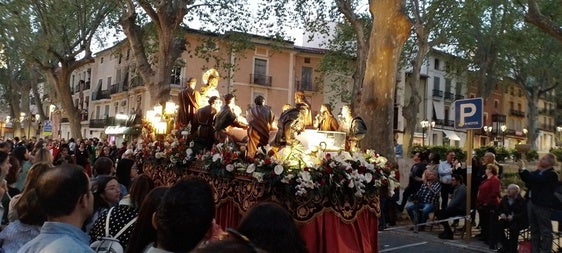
503 129
559 131
488 130
424 124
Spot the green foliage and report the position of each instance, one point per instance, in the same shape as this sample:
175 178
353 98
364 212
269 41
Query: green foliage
531 155
512 178
501 152
558 153
441 151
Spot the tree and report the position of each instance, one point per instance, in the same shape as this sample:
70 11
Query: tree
56 36
156 53
480 39
431 26
389 32
536 68
545 21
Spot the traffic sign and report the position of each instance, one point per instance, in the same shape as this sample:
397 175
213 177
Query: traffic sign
468 113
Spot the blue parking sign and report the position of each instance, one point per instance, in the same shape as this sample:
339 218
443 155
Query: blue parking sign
468 113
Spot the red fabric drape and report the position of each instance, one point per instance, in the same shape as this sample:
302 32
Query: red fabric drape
228 215
328 234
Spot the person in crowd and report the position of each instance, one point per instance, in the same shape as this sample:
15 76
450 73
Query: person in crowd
210 89
11 179
500 167
63 156
414 179
24 158
260 121
43 156
121 150
122 214
456 207
235 243
64 195
106 195
205 121
426 199
6 147
124 167
271 228
325 120
82 156
104 166
398 150
487 203
184 216
30 216
478 174
188 104
4 170
540 184
145 233
512 217
446 169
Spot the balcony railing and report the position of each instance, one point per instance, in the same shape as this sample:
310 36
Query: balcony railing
305 86
438 93
450 123
449 96
136 82
457 97
517 113
260 79
97 123
104 94
547 127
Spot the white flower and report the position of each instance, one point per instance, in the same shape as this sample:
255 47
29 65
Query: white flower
184 133
229 167
159 155
216 157
251 168
305 175
191 144
368 177
258 176
278 169
351 184
175 144
189 152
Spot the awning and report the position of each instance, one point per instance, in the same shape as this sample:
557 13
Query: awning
116 130
451 135
439 109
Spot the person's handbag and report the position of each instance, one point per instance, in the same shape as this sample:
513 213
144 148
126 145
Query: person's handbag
524 247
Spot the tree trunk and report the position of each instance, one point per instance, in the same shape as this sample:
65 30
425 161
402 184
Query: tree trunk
61 78
390 30
532 118
411 109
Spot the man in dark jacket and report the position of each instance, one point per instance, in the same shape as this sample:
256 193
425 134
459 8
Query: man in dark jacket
513 217
415 179
541 184
456 207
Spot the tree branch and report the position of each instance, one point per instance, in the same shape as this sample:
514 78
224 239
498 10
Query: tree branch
535 17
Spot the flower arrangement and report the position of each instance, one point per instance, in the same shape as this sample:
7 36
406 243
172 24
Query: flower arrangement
297 172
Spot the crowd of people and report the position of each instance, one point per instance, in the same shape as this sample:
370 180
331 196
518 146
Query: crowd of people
439 187
54 201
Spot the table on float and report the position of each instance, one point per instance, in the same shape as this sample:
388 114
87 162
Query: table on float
347 226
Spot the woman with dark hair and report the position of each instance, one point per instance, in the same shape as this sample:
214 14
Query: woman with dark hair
106 195
82 156
144 231
63 156
31 217
122 215
124 168
11 180
24 158
140 188
4 169
270 227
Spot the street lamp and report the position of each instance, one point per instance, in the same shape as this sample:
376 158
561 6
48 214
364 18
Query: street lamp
559 131
488 130
424 124
503 128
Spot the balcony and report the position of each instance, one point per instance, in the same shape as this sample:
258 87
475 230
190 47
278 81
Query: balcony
457 97
449 123
437 93
104 94
516 113
305 86
547 127
546 112
97 123
136 82
449 96
260 79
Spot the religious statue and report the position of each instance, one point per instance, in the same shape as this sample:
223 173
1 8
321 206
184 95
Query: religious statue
188 104
291 123
204 122
302 104
354 127
226 118
260 119
325 120
211 79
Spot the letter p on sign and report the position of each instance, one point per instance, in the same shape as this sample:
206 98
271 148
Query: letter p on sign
468 113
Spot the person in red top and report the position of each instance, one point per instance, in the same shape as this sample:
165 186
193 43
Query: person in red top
487 202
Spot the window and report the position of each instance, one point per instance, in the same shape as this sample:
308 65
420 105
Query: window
306 79
435 63
101 60
260 72
307 60
447 85
97 112
118 76
106 111
496 103
519 107
116 107
109 82
175 76
436 83
446 114
511 105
